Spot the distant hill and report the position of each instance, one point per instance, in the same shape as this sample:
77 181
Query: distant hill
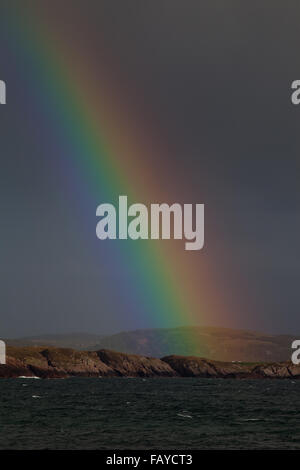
81 341
221 344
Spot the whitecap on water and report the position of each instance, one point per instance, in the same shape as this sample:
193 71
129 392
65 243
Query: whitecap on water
184 414
28 377
252 419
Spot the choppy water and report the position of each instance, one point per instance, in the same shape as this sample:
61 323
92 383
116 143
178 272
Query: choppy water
166 413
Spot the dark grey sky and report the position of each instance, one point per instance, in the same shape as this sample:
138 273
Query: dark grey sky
214 78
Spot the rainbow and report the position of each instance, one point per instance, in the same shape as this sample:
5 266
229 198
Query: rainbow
111 151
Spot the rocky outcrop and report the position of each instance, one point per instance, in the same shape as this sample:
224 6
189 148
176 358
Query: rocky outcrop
79 363
61 363
53 363
213 342
190 366
135 366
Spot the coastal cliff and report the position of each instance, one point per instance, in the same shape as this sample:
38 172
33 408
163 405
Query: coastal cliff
62 363
216 343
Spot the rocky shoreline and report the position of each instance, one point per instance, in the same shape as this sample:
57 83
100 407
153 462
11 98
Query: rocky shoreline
62 363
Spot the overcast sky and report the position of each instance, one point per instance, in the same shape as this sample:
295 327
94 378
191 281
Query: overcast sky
214 79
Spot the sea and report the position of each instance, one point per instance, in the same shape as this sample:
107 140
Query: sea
157 413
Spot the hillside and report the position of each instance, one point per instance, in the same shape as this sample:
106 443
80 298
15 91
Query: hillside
214 343
63 363
222 344
73 340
